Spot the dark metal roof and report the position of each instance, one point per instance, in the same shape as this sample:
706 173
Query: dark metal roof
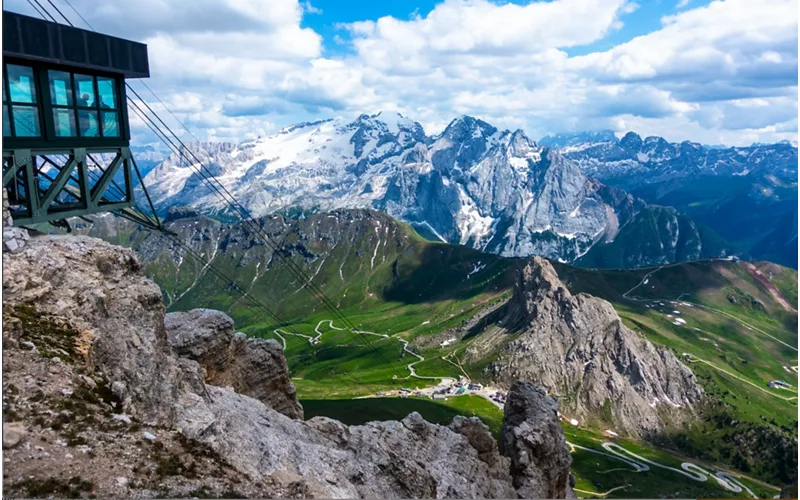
31 38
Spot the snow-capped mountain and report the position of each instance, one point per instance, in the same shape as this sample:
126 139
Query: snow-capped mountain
558 141
494 190
746 194
653 159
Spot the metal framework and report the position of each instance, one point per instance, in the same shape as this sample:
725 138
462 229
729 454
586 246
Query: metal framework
66 135
46 185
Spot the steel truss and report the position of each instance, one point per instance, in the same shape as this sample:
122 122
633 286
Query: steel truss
46 185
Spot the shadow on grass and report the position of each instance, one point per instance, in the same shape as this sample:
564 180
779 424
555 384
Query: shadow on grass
447 272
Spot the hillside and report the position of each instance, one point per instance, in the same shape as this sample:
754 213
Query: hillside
747 195
396 285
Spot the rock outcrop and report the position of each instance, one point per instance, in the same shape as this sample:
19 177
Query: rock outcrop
14 238
577 347
531 438
253 367
97 359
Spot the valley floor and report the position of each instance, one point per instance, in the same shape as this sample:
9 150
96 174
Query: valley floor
605 465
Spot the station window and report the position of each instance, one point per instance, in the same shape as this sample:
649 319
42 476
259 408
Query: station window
20 109
83 105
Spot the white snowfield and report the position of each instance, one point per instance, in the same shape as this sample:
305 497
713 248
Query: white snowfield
463 185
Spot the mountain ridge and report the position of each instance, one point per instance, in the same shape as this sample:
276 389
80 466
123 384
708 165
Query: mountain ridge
746 194
472 184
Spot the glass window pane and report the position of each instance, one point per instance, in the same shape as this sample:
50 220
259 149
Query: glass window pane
84 91
20 84
64 121
110 124
26 121
87 123
6 122
60 88
106 89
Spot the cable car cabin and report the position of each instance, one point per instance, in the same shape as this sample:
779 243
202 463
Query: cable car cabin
65 125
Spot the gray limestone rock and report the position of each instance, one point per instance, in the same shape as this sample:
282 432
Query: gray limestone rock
254 367
577 347
531 437
13 434
120 332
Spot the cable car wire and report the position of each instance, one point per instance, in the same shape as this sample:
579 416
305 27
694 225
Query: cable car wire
244 213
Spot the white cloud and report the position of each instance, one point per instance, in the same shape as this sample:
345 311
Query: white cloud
724 72
682 4
310 9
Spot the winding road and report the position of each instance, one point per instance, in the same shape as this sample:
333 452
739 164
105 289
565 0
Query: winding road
641 464
314 340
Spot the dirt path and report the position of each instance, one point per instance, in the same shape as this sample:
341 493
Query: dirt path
769 286
692 358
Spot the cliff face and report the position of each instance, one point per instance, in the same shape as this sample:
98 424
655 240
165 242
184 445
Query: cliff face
577 347
253 367
101 403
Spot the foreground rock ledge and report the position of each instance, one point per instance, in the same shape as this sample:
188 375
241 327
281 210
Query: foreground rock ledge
88 343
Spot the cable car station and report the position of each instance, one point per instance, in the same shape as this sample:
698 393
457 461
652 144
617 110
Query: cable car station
66 136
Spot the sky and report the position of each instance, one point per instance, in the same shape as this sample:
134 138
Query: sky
714 72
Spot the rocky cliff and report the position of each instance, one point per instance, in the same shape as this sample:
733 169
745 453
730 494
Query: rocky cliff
577 347
253 367
98 403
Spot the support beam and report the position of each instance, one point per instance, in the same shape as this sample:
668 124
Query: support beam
57 185
87 192
100 187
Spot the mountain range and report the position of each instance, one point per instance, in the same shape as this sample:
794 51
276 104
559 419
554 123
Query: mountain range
748 195
493 190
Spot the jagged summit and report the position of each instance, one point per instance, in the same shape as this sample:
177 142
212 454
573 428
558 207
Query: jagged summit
465 125
563 140
576 346
473 184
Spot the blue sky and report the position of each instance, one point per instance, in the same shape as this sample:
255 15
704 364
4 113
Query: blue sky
722 71
333 13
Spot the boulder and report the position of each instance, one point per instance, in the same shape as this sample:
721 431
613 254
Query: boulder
13 434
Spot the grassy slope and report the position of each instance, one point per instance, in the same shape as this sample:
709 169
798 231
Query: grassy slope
413 288
746 341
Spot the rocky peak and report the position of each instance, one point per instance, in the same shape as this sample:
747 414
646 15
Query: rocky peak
531 438
519 145
387 134
253 367
631 142
656 146
571 139
466 127
537 286
577 347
